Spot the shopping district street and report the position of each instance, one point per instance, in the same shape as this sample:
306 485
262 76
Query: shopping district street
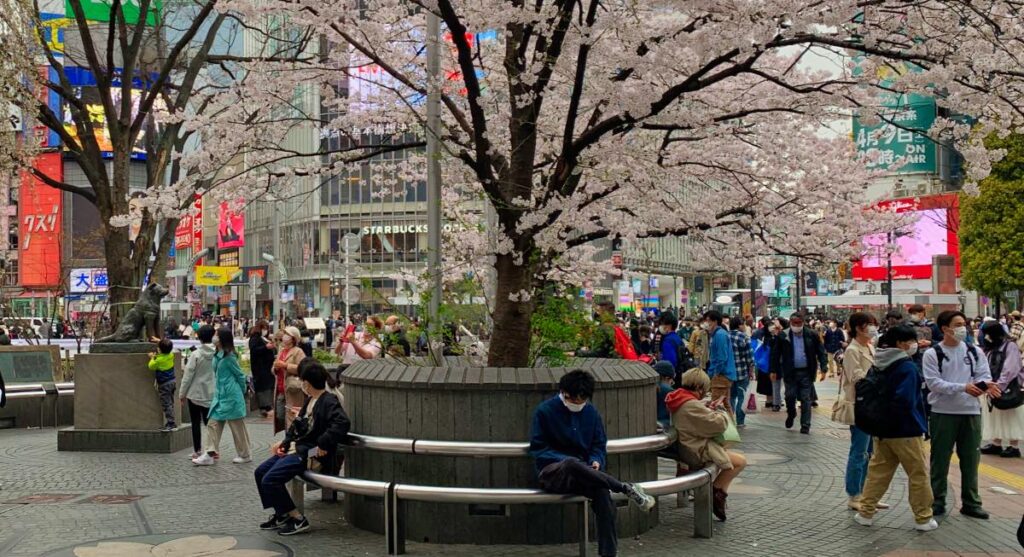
790 501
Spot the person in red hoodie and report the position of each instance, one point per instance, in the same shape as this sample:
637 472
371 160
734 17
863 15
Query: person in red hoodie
697 425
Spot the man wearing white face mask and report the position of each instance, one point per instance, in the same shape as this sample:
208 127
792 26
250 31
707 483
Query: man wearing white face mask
568 444
956 374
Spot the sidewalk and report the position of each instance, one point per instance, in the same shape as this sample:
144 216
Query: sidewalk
790 501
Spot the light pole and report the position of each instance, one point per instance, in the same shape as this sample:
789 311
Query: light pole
434 170
282 279
334 284
888 269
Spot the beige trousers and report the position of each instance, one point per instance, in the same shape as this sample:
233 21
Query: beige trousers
215 428
907 452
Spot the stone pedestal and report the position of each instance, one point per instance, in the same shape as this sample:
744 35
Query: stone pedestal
117 407
493 405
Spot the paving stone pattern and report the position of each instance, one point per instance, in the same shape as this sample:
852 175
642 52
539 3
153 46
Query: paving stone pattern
790 501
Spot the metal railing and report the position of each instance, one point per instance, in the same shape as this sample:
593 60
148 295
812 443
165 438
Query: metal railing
646 443
394 494
41 390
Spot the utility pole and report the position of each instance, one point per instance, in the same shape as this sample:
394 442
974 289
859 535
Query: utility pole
434 170
275 290
888 268
334 284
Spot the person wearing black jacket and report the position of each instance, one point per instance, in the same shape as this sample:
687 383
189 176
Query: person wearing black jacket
310 443
261 354
797 356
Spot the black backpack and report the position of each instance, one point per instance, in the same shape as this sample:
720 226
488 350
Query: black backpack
1012 397
871 409
684 362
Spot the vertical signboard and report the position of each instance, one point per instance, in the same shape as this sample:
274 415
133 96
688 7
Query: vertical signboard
230 227
197 228
39 225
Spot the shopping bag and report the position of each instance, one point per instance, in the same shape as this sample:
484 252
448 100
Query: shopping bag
752 403
731 435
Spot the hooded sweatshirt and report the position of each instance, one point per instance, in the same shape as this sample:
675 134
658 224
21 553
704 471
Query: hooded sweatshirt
906 407
197 383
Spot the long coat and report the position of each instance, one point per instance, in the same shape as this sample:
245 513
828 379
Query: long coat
229 392
261 359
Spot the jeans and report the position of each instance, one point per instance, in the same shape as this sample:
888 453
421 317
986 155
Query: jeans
800 386
737 394
166 391
199 417
273 476
572 476
857 462
963 432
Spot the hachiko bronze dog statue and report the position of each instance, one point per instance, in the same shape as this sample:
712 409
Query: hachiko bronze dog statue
143 321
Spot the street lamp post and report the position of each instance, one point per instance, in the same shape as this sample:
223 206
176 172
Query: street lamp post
434 169
888 269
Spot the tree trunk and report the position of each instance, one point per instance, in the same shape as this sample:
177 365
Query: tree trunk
510 343
124 285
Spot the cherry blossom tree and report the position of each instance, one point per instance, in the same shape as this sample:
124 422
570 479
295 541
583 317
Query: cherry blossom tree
583 120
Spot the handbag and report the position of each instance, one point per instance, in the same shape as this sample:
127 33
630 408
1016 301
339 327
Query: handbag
842 409
731 435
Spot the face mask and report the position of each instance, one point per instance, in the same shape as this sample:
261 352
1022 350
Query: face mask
912 350
572 406
872 331
389 329
915 318
960 333
303 387
664 329
797 330
704 326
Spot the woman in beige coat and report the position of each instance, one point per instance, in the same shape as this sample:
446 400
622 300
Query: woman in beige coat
857 360
697 425
288 396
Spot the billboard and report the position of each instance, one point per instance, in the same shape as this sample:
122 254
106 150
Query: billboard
230 227
215 276
39 225
99 10
901 138
98 118
934 232
88 280
189 233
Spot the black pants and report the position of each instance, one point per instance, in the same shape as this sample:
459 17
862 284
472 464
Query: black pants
573 477
800 386
198 415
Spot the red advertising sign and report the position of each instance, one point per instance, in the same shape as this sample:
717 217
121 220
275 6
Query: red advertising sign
183 234
933 233
39 225
230 227
197 228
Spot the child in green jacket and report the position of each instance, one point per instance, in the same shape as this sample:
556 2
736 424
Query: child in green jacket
163 365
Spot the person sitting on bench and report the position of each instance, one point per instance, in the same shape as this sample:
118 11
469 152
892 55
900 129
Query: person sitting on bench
310 443
568 444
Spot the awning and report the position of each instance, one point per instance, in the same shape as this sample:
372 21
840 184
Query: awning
881 300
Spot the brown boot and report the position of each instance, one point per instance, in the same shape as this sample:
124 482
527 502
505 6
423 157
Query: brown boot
718 503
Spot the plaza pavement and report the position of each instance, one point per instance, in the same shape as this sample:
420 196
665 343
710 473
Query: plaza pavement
790 501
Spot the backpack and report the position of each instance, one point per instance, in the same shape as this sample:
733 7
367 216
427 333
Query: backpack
941 355
1012 397
871 407
624 346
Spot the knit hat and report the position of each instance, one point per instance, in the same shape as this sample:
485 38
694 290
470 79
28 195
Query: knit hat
665 368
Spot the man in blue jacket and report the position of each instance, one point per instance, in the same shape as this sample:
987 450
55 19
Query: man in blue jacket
721 358
567 442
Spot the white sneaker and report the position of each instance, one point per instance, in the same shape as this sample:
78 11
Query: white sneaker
863 520
241 460
927 526
204 460
639 497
